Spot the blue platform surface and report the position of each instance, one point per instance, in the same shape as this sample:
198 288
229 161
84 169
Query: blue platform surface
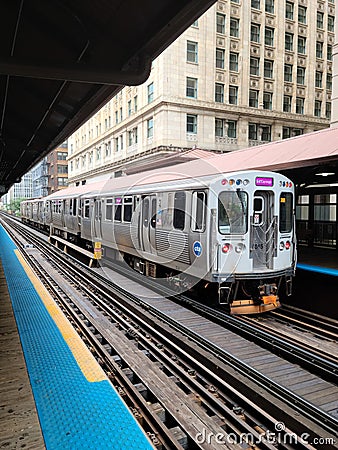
73 412
319 269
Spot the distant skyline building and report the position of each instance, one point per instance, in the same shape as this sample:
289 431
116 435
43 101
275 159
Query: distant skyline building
21 190
245 73
46 177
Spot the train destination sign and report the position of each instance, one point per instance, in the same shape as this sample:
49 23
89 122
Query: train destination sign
264 181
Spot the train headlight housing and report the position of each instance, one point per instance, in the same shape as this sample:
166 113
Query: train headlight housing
226 248
239 248
281 245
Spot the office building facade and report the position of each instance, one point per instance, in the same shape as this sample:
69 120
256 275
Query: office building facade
245 73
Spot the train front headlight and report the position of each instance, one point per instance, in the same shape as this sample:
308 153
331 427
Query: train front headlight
239 248
281 245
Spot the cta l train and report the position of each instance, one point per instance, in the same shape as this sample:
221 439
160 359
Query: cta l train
201 228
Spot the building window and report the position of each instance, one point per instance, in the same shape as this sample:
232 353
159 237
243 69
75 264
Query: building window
117 145
287 103
108 149
129 107
269 36
301 45
289 10
265 133
318 108
259 132
233 61
150 92
220 23
192 123
268 68
267 100
255 32
62 181
61 156
135 103
319 49
301 14
291 132
320 20
98 154
270 6
233 95
220 58
192 52
255 4
288 72
253 132
289 41
329 81
232 129
234 27
329 52
219 92
191 89
225 128
195 24
150 128
121 114
220 127
62 169
132 137
254 66
299 105
253 98
319 79
300 75
330 23
328 110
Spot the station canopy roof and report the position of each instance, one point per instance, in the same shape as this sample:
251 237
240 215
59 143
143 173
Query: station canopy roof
61 60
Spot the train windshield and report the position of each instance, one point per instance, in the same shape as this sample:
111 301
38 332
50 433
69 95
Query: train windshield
285 212
233 212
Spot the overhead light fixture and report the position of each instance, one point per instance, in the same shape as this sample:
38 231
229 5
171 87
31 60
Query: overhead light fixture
324 174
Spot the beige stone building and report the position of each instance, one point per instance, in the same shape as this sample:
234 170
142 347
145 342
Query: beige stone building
244 73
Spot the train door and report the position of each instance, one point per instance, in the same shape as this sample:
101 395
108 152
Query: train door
262 244
148 227
97 219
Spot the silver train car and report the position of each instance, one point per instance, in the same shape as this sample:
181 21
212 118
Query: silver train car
231 234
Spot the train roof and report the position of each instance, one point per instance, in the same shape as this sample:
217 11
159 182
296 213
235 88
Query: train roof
183 174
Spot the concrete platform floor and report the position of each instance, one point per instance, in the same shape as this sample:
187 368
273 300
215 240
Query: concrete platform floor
19 423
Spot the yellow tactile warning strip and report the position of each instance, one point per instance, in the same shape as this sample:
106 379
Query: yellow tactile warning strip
86 361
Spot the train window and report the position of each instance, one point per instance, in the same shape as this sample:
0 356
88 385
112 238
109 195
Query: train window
179 210
86 209
109 209
285 212
233 212
74 207
145 212
198 211
153 213
127 209
118 209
